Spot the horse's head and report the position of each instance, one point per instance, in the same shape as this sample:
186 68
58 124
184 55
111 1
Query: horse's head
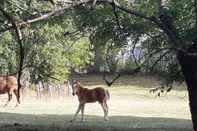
65 82
75 86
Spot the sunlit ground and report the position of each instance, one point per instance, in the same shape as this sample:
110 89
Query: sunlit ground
131 108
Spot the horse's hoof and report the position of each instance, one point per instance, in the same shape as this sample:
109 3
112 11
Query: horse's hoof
17 124
71 121
106 119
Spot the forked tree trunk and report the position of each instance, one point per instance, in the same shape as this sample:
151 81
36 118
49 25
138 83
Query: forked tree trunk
189 68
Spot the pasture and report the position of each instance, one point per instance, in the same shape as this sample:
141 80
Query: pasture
131 107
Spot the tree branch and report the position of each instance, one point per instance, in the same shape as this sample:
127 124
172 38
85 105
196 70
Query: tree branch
72 4
109 83
56 12
137 14
159 59
116 14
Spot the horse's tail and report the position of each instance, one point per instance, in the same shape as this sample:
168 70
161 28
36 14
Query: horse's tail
107 94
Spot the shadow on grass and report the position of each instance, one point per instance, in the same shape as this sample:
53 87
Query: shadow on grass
26 122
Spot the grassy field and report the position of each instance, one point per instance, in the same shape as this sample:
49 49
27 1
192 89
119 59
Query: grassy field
132 108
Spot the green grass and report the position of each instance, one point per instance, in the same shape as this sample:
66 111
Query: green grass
92 123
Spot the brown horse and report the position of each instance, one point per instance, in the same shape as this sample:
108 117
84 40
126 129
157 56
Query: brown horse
90 95
9 85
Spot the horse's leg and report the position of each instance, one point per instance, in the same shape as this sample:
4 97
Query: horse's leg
9 98
82 112
107 109
104 110
79 108
17 97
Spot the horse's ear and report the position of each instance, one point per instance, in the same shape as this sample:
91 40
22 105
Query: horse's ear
65 81
78 82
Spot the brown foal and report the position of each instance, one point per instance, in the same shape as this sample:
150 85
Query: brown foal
88 96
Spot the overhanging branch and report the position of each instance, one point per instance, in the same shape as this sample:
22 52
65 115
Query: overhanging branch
72 4
56 12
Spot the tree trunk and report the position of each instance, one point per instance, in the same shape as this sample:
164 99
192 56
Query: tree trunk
98 59
189 68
